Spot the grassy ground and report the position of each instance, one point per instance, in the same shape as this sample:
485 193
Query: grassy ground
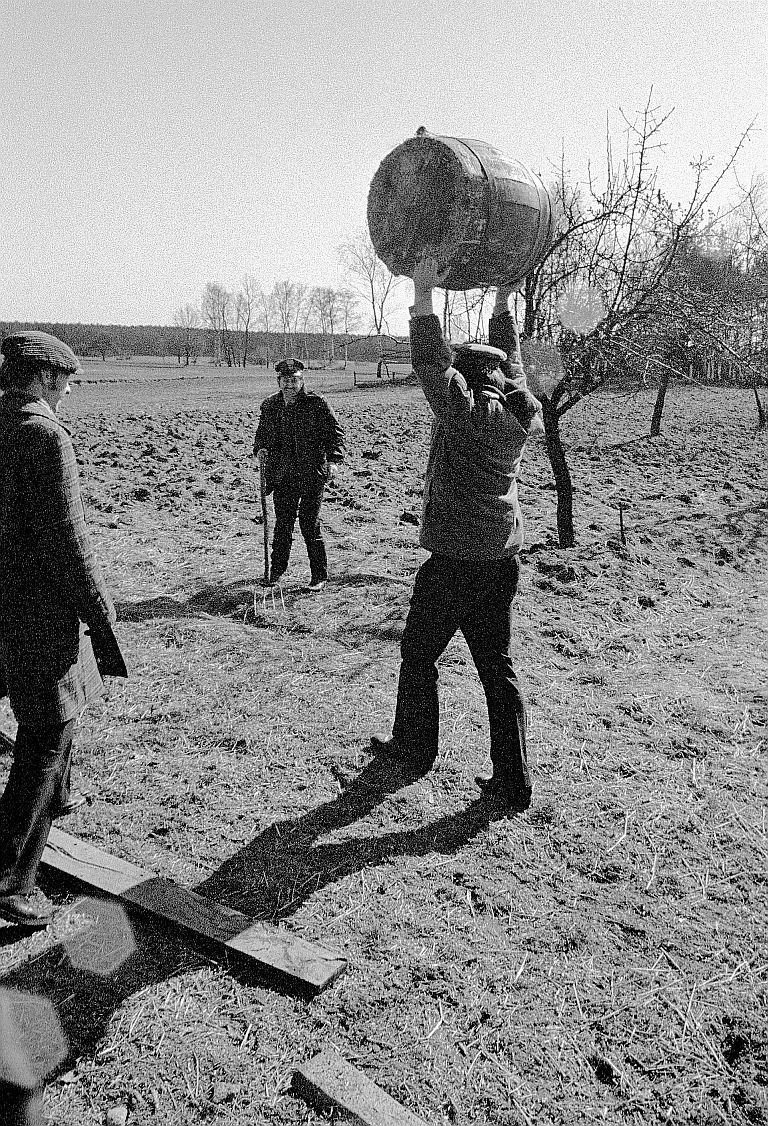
602 958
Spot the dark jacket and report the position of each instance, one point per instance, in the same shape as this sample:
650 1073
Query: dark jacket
470 508
51 587
300 440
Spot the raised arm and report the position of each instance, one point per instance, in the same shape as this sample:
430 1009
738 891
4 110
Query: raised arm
502 333
430 355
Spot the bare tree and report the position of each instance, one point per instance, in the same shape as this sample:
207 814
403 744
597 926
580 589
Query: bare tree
369 277
614 251
464 313
187 321
301 311
246 301
265 304
349 317
326 302
104 343
216 310
284 303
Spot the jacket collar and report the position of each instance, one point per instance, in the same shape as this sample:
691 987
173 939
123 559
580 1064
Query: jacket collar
22 402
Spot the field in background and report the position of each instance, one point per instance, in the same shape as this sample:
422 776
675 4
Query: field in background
144 369
601 959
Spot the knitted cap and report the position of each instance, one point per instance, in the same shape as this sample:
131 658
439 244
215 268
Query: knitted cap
41 347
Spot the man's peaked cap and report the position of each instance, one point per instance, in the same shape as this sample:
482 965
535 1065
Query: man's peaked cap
482 351
32 347
289 367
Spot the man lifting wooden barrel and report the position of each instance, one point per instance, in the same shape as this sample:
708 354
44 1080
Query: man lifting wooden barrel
459 214
473 527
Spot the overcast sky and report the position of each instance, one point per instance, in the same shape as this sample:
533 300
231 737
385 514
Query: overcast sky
149 146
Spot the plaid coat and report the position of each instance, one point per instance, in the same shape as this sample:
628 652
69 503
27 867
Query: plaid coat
50 582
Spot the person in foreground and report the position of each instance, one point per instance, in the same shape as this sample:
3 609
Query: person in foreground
56 615
302 441
472 524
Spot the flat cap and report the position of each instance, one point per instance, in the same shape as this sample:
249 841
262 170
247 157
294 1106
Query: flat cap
289 367
41 347
484 351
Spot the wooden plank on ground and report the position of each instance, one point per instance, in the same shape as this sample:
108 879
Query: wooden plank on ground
328 1080
271 953
90 866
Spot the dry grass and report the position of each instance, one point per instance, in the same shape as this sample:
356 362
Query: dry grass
602 958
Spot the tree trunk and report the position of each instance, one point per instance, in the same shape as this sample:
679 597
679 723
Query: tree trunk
762 421
658 408
563 482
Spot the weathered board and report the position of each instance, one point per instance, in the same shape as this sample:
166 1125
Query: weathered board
90 866
271 953
328 1080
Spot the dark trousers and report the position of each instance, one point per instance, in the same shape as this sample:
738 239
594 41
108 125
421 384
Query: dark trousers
38 781
474 596
291 499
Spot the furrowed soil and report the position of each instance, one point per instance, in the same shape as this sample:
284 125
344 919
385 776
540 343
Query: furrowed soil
602 958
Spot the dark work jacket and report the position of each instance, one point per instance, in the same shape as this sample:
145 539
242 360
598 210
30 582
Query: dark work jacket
51 587
470 508
300 440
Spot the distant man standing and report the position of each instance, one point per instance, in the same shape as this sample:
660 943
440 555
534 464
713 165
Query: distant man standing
302 442
56 614
473 527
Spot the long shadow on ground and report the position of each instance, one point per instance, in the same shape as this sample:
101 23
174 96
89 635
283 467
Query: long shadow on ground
227 600
272 875
219 600
269 878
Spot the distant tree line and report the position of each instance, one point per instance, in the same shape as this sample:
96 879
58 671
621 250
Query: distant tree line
198 344
233 328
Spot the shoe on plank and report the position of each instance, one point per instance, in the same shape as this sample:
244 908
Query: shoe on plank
27 909
63 808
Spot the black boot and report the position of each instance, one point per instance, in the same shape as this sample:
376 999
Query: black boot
514 799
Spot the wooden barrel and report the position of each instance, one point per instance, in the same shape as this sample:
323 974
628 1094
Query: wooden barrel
486 215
